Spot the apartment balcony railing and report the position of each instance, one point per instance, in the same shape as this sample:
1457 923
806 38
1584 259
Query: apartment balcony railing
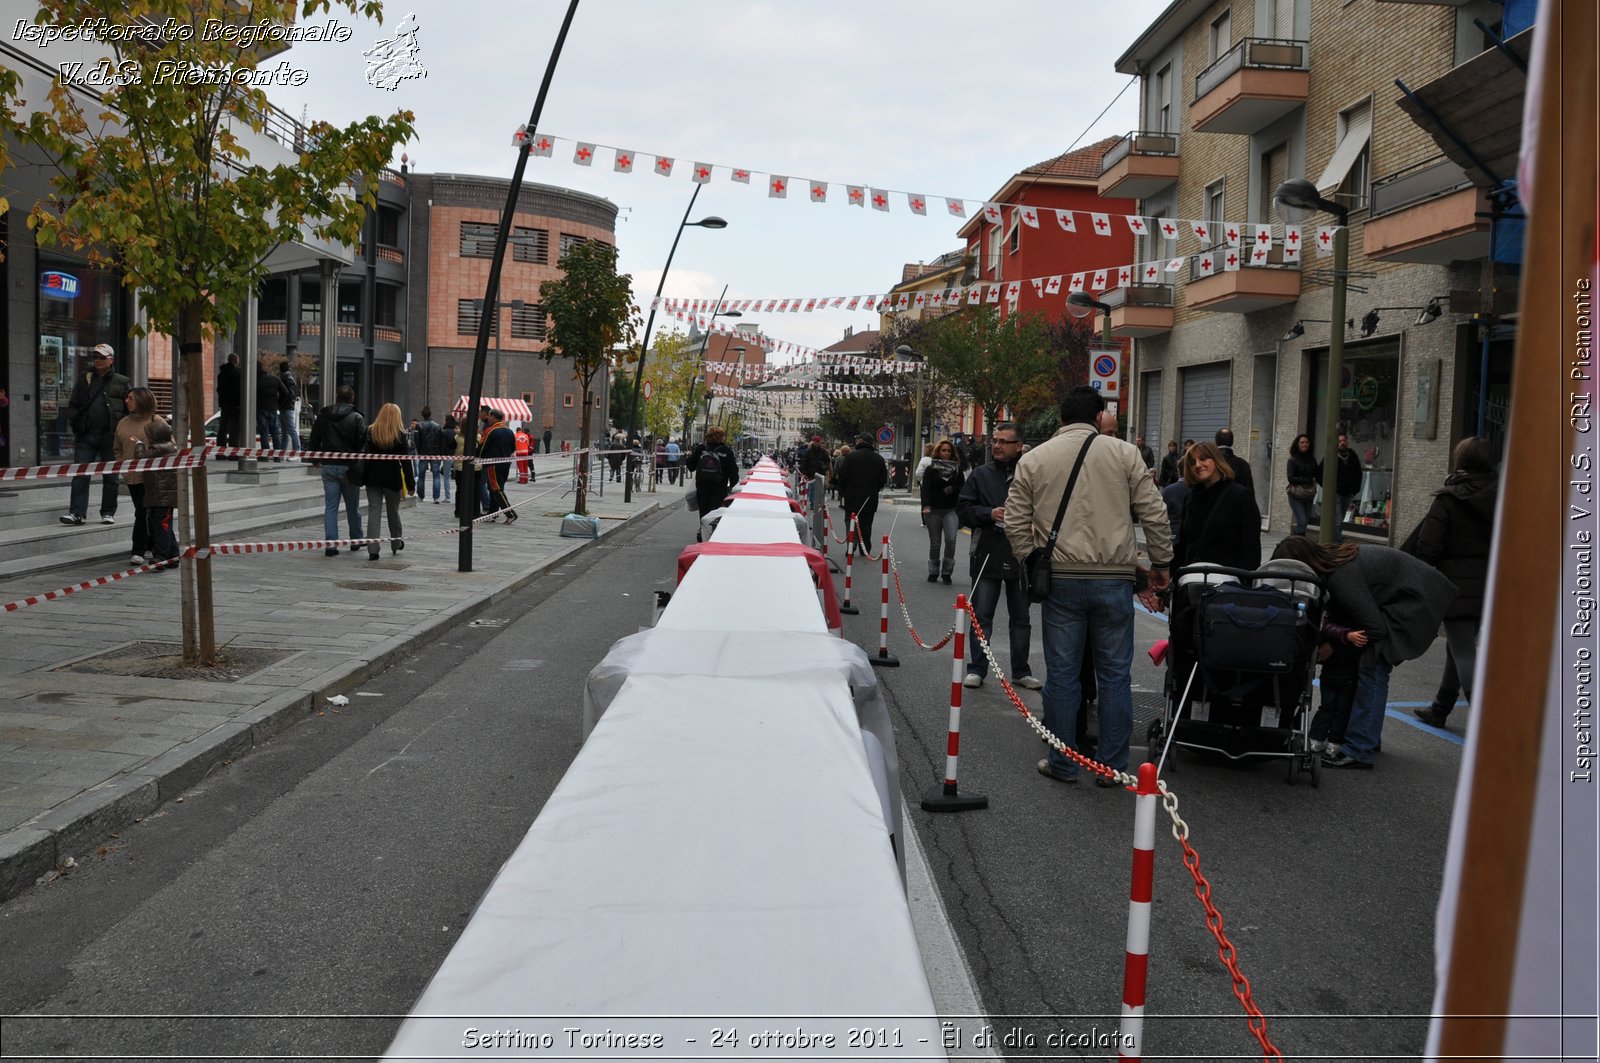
1139 165
1430 212
1243 290
1251 85
1140 309
1415 184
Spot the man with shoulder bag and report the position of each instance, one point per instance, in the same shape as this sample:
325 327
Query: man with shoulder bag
1070 513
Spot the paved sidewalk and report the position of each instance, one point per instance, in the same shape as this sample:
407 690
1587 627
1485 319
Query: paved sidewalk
84 753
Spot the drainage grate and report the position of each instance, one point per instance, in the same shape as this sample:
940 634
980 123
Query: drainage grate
371 585
164 660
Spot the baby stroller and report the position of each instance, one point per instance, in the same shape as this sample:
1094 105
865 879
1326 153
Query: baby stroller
1240 657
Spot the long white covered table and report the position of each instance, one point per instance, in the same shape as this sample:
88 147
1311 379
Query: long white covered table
718 857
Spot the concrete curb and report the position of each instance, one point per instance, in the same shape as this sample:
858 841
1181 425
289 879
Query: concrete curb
43 843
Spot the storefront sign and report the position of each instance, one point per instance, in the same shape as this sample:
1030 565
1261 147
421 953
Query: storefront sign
61 285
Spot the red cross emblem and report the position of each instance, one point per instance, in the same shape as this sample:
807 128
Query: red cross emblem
1167 228
1233 259
663 165
1264 237
919 300
817 190
584 153
1205 264
701 171
742 175
1233 235
624 160
1030 217
1077 282
1137 224
777 185
878 200
544 143
1293 236
855 195
1150 272
992 213
1100 224
1124 276
917 204
520 135
1322 237
1200 231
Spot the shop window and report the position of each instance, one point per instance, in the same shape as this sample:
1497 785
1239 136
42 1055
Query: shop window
78 308
1368 403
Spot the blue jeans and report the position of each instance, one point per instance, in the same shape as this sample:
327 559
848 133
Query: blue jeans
1099 611
943 526
985 596
335 487
1365 732
1338 524
87 449
436 467
1299 514
289 429
270 428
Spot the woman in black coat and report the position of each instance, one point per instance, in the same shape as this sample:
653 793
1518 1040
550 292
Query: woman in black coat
1221 523
387 480
1455 537
1302 487
941 489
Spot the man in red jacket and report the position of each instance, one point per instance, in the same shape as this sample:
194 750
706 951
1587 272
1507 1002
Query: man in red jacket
524 448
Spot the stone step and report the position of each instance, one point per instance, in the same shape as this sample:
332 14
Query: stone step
38 503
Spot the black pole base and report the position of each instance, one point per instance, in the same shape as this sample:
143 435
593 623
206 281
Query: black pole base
849 610
936 800
888 661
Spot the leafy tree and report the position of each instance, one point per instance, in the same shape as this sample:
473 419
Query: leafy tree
674 386
151 176
591 315
990 359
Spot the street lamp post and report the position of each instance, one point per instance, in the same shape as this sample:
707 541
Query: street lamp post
906 354
705 342
709 396
738 381
1079 304
515 305
712 222
1293 197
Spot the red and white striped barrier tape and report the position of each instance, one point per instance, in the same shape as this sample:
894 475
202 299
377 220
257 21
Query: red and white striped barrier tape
183 459
101 581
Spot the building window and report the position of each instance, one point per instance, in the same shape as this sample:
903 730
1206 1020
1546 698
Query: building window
78 307
389 227
1221 34
1274 171
994 252
1163 123
571 240
350 304
1216 204
566 401
469 317
477 239
530 245
528 322
1368 404
1350 167
388 309
597 402
274 305
1014 235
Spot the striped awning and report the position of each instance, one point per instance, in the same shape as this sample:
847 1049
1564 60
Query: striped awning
514 409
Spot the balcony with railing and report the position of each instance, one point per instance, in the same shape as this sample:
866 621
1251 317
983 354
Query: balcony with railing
1250 86
1139 165
1430 212
1139 310
1212 286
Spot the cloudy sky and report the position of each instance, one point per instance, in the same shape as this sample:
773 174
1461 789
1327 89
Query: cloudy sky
936 98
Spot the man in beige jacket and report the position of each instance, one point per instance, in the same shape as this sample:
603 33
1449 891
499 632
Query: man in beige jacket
1093 565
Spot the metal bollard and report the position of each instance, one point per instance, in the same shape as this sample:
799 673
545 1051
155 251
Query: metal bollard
1136 962
885 659
946 796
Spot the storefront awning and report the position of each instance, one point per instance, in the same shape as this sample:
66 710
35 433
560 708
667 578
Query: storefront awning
514 409
1475 111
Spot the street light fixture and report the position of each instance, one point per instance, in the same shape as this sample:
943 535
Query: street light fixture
712 222
1081 304
1293 197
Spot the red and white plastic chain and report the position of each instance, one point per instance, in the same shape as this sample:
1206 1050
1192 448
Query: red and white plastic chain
827 526
860 538
1180 831
906 613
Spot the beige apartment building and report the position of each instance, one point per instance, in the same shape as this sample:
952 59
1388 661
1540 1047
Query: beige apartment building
1237 96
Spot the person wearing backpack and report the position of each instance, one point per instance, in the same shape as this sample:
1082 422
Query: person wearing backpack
715 470
429 447
289 407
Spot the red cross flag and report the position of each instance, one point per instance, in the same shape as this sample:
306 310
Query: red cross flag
624 163
778 188
520 136
1013 291
1325 239
583 154
772 304
994 294
857 194
975 293
1231 260
1150 271
955 207
663 166
880 199
904 302
1064 219
1169 230
991 213
740 176
1175 265
702 173
919 205
1102 223
921 300
1202 232
1053 285
1205 266
1137 224
1077 282
1038 286
837 302
811 304
854 299
1030 217
819 191
1099 280
1125 276
1258 254
869 302
1264 235
544 146
783 307
1291 244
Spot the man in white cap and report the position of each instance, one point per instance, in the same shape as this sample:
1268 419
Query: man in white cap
93 411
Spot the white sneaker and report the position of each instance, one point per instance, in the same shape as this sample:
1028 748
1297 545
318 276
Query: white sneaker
108 520
1317 745
1029 682
973 679
138 559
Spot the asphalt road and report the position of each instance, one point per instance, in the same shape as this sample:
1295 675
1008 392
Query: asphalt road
327 874
1327 894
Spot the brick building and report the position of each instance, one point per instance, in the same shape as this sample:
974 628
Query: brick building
1235 99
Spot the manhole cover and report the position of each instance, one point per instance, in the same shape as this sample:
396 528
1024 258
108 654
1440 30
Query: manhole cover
371 585
164 660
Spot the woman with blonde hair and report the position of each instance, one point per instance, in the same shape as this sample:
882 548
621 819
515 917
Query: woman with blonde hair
941 489
385 479
141 406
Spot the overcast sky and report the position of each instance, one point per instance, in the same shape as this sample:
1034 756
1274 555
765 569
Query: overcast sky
936 98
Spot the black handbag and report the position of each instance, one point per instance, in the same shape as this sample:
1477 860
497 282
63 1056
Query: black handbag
1036 570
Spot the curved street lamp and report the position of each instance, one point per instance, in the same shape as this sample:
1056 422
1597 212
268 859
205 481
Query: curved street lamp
712 222
1082 304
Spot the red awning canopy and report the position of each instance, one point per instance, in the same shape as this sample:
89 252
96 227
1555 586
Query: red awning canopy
514 409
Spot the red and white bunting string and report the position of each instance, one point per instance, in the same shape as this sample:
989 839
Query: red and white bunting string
884 199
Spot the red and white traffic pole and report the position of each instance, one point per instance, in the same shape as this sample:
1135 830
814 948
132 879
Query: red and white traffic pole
885 659
946 796
1136 962
849 564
